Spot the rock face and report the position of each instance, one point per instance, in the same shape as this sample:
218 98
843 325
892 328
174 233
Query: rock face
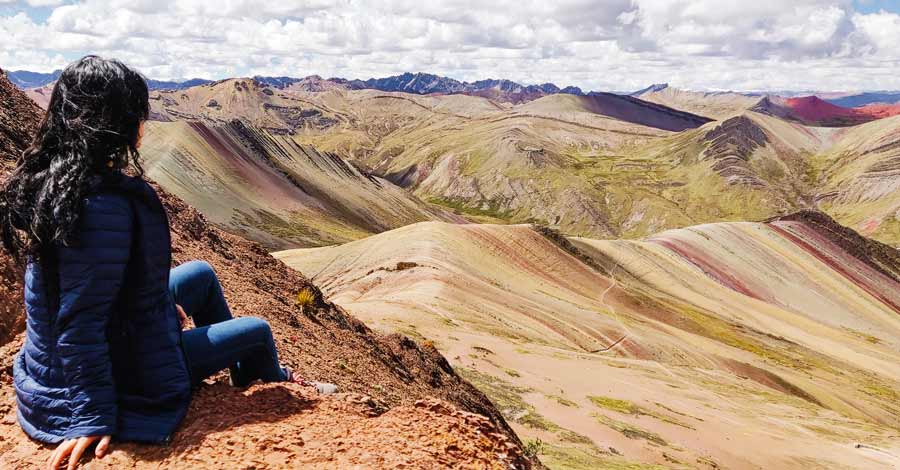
320 341
18 120
731 145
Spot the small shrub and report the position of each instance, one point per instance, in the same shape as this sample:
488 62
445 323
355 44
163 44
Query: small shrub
533 447
306 298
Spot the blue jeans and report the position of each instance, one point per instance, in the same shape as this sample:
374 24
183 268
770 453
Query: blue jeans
243 345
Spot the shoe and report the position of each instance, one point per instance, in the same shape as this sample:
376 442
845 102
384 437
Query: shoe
321 387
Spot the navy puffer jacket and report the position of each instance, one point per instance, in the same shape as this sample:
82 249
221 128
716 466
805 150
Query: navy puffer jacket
105 358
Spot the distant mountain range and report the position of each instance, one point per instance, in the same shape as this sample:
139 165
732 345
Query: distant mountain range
25 80
497 89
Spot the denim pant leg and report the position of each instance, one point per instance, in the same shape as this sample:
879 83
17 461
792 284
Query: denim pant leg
243 345
196 288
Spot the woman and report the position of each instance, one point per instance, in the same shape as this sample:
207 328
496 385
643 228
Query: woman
105 355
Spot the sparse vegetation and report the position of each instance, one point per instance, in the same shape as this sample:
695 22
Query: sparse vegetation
563 401
533 447
622 406
573 437
630 431
306 298
507 398
573 458
629 408
461 207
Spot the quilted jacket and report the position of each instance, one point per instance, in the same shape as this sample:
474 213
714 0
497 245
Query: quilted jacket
103 356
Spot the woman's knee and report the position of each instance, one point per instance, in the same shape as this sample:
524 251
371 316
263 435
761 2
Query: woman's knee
199 272
257 328
201 268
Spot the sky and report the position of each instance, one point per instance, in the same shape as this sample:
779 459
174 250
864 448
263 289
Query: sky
604 45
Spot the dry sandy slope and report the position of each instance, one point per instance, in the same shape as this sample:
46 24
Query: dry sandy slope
742 345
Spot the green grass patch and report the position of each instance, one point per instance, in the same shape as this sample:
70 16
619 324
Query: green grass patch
573 437
573 458
490 209
622 406
630 408
507 397
563 401
630 431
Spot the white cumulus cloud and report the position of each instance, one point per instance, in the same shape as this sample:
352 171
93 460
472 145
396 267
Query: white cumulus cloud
595 44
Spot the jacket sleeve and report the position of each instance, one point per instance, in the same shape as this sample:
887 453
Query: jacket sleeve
91 273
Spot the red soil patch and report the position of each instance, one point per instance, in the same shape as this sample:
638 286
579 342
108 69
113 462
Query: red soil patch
288 426
766 378
814 109
708 265
880 110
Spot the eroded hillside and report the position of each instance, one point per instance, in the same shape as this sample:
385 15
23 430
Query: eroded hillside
727 345
268 188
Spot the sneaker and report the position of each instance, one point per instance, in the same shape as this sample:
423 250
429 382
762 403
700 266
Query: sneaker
321 387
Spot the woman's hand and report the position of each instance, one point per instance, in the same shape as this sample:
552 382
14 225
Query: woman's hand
185 321
73 448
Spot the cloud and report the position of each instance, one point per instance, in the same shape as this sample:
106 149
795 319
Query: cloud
595 44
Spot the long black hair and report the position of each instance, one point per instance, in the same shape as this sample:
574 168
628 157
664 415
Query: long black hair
91 129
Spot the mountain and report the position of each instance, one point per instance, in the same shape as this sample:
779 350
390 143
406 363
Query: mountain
623 108
19 117
863 99
417 83
425 83
860 179
825 109
385 420
781 336
25 79
718 105
600 165
267 188
175 85
654 88
879 110
811 111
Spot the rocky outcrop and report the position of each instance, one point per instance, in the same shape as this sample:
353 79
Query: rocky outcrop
19 117
730 146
